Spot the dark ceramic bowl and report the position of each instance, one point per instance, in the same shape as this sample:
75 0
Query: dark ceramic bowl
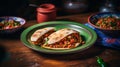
14 29
109 32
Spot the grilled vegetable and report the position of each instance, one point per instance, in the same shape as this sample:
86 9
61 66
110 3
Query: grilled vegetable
108 23
9 24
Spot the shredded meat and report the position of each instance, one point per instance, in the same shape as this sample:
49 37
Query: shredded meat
67 42
41 40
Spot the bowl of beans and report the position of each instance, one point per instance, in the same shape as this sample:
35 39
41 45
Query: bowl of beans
107 22
10 24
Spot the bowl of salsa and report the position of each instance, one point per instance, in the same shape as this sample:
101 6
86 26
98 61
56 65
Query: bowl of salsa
11 24
107 22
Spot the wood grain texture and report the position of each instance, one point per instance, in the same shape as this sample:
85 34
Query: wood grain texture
18 55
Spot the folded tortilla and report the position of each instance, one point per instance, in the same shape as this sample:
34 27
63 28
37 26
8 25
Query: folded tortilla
38 36
63 39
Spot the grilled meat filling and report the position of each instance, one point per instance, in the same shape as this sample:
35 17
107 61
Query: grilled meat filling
41 40
70 41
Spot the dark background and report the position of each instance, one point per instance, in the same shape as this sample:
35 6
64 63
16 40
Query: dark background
21 7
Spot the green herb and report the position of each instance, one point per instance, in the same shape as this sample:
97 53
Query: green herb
101 62
46 41
113 24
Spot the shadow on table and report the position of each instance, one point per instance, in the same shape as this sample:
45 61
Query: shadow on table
12 35
2 53
88 53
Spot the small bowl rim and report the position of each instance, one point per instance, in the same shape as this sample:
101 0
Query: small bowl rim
14 27
99 27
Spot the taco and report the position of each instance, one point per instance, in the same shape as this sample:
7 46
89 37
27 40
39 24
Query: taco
38 37
63 39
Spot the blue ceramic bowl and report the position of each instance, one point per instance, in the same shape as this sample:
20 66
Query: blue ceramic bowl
109 32
12 30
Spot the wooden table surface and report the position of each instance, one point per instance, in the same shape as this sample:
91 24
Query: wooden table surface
15 54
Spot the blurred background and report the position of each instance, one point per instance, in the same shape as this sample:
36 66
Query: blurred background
64 7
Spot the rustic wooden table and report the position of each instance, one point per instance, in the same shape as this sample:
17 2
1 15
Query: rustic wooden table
15 54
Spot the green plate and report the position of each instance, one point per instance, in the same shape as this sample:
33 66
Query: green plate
88 35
